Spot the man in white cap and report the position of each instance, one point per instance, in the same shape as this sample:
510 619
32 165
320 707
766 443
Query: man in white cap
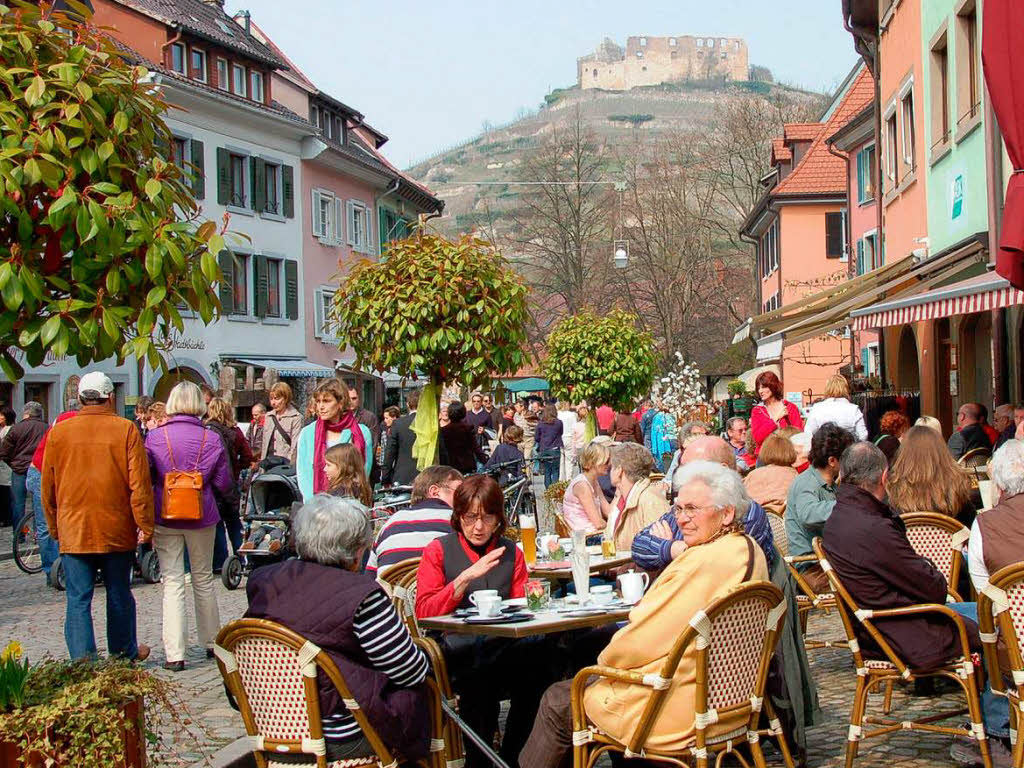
98 496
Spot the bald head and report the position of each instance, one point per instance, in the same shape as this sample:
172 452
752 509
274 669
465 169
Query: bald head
710 448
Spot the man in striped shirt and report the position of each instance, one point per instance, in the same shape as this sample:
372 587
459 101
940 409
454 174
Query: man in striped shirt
428 517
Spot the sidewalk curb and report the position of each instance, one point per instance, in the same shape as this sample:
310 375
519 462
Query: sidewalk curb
237 754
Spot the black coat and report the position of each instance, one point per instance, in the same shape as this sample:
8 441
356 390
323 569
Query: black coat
399 467
867 546
459 447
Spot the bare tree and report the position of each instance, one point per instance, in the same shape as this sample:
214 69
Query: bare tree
561 235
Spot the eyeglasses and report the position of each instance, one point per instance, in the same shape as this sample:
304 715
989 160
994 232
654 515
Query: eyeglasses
472 520
691 511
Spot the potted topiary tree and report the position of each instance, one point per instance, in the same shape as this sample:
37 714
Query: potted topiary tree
740 401
450 311
603 359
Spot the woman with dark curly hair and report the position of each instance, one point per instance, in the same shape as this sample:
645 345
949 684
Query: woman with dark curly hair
892 427
772 412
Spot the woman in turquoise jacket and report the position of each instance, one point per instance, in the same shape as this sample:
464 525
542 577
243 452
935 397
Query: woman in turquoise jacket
335 424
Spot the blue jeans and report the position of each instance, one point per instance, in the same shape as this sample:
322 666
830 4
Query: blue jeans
18 495
995 710
80 573
220 542
551 462
47 547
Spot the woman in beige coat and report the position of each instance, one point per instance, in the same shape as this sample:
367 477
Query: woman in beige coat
637 502
710 510
282 426
768 485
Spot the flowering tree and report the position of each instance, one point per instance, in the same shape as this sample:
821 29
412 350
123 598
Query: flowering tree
681 391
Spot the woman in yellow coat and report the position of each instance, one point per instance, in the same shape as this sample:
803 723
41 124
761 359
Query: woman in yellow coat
718 557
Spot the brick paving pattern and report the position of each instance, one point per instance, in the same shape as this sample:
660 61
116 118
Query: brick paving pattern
34 615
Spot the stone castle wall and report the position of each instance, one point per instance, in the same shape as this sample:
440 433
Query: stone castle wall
656 60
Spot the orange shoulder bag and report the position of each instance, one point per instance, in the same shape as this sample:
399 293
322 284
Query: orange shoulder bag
183 491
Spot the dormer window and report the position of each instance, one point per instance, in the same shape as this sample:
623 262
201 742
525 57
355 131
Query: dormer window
328 125
178 58
198 63
223 82
238 79
256 90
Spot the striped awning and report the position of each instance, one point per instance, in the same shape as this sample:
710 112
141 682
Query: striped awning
976 294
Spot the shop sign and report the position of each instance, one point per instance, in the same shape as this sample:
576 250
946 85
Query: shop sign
957 197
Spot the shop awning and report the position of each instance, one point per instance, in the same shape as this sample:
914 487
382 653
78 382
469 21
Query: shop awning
292 369
831 309
769 348
975 294
532 384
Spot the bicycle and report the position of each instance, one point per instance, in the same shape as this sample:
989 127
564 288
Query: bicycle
26 549
516 487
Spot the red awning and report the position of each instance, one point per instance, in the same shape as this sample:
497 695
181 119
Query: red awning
1001 46
976 294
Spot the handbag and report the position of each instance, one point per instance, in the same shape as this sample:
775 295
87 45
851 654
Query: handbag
183 490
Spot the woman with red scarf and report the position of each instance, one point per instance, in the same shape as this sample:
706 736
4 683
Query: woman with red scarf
334 424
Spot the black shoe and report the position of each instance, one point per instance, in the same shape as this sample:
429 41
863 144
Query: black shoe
209 653
174 666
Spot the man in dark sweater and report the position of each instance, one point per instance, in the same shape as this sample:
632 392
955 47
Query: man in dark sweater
17 450
971 433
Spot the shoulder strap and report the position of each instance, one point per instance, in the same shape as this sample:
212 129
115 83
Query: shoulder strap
279 429
200 454
170 453
750 559
879 439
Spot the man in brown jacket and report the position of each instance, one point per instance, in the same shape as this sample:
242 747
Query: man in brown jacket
98 497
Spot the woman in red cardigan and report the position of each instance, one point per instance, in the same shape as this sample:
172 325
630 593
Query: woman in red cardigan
484 670
772 412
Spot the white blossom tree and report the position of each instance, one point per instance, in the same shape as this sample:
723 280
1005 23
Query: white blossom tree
681 391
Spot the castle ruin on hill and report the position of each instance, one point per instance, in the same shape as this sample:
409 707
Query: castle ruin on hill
656 60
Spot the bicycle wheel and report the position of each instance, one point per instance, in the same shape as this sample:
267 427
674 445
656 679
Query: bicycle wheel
26 549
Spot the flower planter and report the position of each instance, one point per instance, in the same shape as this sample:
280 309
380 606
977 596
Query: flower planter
133 736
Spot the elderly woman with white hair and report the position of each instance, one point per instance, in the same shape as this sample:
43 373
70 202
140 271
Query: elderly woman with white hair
324 596
710 508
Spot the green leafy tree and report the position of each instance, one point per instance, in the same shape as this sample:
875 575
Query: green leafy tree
604 359
99 246
453 311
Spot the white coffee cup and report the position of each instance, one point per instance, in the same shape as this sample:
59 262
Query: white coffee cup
602 594
633 585
487 602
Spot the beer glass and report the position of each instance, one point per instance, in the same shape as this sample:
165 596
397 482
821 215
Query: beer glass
528 536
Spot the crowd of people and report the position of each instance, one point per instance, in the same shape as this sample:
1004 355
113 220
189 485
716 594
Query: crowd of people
689 505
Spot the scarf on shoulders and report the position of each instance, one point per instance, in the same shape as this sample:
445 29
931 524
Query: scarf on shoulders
346 421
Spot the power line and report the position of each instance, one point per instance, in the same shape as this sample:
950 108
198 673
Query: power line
619 185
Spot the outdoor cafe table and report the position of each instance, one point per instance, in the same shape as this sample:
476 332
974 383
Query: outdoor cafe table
544 622
598 564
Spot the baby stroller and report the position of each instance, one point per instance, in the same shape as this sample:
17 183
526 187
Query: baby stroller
267 523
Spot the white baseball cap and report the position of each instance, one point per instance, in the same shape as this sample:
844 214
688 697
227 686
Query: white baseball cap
95 381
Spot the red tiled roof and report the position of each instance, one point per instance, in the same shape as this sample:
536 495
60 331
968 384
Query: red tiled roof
820 172
780 152
801 131
296 73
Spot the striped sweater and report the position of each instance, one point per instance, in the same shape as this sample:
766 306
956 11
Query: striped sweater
390 649
408 532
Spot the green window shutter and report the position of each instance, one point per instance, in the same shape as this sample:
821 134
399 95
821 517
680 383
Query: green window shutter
861 156
288 191
260 268
258 172
226 287
291 288
223 176
860 257
199 172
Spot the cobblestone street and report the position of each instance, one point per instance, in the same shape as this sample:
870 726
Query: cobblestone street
34 615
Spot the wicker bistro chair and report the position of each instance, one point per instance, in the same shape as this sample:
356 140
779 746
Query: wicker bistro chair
941 539
808 600
271 671
872 673
975 462
1001 603
735 637
391 576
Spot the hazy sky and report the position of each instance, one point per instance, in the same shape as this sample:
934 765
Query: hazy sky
430 73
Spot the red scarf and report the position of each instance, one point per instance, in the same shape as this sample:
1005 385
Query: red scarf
347 421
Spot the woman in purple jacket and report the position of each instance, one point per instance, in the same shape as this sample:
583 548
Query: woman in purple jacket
184 443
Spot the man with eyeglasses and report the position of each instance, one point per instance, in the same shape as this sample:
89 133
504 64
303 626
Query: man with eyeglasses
428 517
970 433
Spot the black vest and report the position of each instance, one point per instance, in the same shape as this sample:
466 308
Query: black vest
319 602
456 561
